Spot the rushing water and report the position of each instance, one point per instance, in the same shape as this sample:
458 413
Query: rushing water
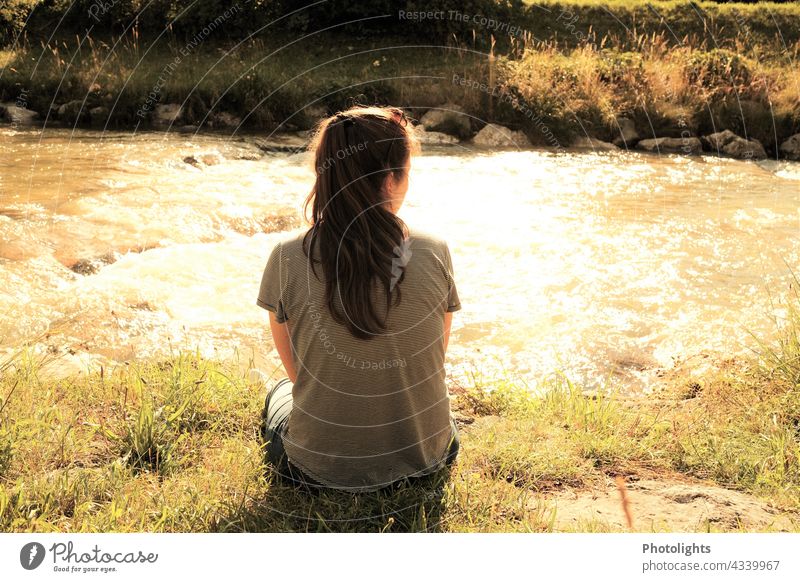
603 265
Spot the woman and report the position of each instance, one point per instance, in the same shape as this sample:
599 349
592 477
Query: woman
360 311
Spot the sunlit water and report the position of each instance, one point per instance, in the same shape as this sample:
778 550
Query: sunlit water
606 266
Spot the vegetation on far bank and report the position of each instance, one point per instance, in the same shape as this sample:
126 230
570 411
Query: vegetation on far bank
569 68
542 19
173 445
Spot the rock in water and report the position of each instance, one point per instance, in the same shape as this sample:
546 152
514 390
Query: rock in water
192 161
225 120
91 266
494 135
204 159
73 112
449 118
628 136
291 143
433 137
211 158
745 149
18 115
716 141
166 113
98 115
585 142
730 144
790 149
672 145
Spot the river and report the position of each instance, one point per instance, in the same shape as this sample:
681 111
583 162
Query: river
612 267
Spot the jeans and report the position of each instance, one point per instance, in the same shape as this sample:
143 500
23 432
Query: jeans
277 407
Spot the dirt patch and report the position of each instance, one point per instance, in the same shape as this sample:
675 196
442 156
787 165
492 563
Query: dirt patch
667 505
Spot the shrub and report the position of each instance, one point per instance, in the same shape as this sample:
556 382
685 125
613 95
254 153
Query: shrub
13 16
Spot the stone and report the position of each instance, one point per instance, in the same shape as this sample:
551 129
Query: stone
211 158
291 143
628 136
92 266
728 143
204 159
449 118
745 149
672 145
73 112
166 113
716 141
790 149
17 115
225 119
433 137
98 115
493 135
585 142
248 156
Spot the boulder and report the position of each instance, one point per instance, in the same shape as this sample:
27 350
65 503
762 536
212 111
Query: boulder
672 145
586 142
790 149
449 118
17 115
93 265
248 156
291 143
204 159
166 113
493 135
225 119
73 112
211 158
628 136
98 115
433 137
716 141
745 149
728 143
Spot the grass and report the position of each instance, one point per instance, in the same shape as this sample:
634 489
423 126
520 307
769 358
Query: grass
173 445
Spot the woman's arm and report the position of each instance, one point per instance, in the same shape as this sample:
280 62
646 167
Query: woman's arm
283 343
448 320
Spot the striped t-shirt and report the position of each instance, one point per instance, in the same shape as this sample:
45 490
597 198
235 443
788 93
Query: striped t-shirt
366 412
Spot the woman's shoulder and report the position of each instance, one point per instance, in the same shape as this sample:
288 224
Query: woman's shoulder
291 244
422 238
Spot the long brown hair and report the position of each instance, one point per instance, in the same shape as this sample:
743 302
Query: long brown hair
353 234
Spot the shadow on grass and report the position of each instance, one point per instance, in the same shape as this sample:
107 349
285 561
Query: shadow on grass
410 505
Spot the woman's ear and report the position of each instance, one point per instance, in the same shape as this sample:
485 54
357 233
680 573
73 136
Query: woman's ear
389 184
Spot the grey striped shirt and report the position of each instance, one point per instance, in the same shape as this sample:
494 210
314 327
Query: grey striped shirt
366 412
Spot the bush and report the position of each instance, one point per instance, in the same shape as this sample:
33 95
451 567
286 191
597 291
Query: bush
151 17
13 16
719 68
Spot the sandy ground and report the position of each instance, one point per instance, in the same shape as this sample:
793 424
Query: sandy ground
660 502
665 505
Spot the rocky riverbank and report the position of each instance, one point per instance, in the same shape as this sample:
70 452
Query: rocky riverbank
447 124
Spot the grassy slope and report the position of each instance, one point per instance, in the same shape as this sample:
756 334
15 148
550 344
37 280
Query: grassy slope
173 446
